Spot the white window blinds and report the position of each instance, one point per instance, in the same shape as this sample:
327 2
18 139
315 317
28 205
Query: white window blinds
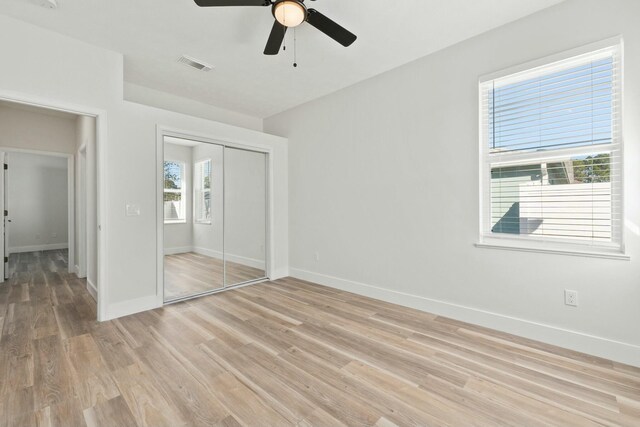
551 152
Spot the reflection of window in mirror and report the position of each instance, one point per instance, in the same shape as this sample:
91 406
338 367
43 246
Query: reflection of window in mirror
174 192
202 192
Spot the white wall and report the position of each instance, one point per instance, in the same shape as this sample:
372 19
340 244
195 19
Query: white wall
86 137
244 198
154 98
31 130
81 74
384 186
37 202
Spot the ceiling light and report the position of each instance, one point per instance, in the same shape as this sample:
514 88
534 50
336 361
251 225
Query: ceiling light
290 13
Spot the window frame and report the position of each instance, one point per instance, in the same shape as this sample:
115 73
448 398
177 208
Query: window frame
487 160
182 191
199 190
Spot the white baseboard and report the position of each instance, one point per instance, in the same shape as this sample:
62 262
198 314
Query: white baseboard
37 248
578 341
76 270
137 305
279 274
93 290
178 250
249 262
208 252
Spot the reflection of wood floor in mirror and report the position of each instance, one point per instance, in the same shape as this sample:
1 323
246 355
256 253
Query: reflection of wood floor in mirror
191 273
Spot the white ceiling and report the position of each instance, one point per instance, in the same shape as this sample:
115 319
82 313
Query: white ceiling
152 34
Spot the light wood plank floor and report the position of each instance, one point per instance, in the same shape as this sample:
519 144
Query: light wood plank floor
191 273
282 353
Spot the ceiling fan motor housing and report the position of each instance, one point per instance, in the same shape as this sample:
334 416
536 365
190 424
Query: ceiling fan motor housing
289 13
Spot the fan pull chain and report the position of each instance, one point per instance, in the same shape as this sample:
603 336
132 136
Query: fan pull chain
295 61
284 30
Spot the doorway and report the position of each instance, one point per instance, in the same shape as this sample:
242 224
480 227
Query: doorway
214 208
38 204
44 188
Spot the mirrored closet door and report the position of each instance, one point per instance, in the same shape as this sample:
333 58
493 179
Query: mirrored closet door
214 206
245 203
193 218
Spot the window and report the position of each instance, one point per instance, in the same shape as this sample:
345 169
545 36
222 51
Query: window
552 155
174 192
202 189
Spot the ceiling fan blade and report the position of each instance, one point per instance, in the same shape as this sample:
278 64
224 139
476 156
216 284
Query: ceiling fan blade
275 39
330 28
212 3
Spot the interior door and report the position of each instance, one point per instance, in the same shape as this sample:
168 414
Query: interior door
3 224
7 218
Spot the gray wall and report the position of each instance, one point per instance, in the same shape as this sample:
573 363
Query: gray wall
30 130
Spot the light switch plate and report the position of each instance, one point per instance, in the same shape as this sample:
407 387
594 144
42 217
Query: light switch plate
133 210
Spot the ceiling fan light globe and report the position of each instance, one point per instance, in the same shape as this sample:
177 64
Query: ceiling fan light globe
290 13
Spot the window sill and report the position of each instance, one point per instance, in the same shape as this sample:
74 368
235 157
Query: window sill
203 222
178 221
606 255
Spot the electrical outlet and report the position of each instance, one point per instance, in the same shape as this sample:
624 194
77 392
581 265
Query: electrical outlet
54 235
317 255
571 298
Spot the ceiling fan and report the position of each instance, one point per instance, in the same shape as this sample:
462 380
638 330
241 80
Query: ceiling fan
289 14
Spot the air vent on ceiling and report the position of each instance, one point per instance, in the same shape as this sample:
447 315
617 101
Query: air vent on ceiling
194 63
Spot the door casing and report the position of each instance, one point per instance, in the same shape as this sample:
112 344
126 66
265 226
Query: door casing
101 166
